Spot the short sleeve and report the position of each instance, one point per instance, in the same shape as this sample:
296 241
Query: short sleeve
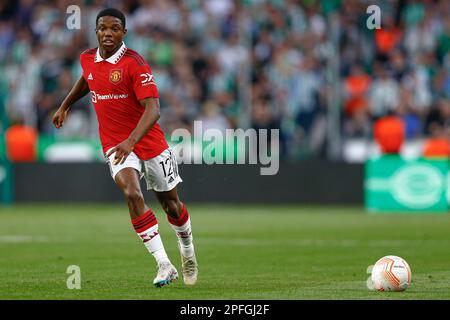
143 82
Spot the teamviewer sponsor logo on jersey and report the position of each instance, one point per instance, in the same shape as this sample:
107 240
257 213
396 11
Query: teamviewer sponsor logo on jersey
111 96
147 79
95 96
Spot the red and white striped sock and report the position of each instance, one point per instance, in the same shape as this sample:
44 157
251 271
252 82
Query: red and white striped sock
146 227
182 227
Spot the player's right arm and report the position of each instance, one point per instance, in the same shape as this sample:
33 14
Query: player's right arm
79 90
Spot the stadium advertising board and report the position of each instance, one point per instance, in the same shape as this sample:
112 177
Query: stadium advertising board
395 184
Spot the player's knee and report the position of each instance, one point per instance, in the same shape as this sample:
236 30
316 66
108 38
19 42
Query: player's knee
172 208
133 195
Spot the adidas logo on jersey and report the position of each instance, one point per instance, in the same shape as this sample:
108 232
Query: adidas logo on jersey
90 77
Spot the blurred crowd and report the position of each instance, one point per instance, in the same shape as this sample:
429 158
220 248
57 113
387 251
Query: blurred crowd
245 64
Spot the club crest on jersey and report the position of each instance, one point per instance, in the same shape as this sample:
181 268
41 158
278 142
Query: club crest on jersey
115 76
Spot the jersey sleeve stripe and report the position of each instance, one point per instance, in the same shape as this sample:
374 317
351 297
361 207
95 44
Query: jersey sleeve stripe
136 56
90 51
137 60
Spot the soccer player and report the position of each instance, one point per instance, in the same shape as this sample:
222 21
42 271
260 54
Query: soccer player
125 98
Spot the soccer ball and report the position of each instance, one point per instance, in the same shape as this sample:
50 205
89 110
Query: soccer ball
391 273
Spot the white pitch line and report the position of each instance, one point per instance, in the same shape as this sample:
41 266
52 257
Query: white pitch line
322 242
22 238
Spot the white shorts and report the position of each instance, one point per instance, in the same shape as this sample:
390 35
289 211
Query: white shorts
160 172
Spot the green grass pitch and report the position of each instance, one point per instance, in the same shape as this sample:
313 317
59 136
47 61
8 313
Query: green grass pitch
244 252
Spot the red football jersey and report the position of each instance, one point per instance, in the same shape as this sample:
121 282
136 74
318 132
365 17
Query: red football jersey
117 84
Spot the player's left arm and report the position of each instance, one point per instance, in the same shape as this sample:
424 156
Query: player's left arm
148 119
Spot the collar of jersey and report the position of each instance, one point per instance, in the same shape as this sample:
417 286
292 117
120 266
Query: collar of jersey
114 58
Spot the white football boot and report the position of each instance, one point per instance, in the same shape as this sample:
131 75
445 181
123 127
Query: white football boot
189 267
166 274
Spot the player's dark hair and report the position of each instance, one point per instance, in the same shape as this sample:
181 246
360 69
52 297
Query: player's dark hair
112 12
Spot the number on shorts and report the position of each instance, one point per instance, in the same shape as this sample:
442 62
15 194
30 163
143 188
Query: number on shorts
170 164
